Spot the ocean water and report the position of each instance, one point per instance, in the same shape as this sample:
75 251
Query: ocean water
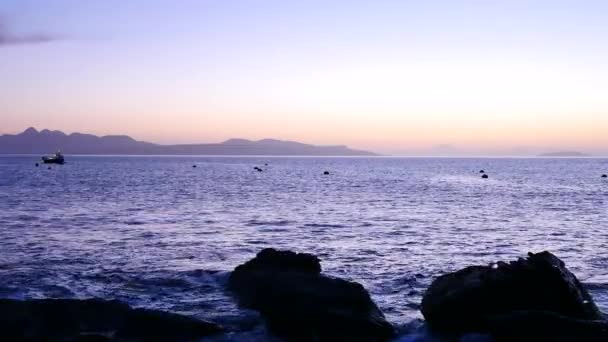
158 233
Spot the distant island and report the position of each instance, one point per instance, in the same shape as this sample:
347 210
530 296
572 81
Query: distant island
564 154
32 141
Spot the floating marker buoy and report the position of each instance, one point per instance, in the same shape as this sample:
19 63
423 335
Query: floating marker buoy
484 176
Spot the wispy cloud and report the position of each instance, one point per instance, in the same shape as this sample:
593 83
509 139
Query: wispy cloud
9 38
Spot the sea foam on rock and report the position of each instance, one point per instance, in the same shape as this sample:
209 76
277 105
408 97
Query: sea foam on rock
94 320
299 303
531 299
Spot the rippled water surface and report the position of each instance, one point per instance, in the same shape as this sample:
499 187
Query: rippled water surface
156 232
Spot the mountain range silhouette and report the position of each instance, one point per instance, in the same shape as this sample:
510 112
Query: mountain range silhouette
32 141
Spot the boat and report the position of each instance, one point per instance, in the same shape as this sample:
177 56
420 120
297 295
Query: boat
54 159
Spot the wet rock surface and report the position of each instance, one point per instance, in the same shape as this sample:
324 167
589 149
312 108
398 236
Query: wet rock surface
523 300
94 320
299 303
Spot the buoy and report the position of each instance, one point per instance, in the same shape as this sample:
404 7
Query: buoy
604 176
326 172
36 164
193 165
482 171
484 176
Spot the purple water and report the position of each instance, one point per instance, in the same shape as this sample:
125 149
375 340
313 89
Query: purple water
156 232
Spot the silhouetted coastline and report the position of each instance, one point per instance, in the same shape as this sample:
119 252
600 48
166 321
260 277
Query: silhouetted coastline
32 141
564 154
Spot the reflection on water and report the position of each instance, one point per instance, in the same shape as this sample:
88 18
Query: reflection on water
158 233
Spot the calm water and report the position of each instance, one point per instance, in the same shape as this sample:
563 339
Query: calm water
158 233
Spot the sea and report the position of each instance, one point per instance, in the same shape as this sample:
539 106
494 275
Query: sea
158 232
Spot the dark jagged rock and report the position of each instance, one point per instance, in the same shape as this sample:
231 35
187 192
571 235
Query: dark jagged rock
94 320
534 293
300 304
271 260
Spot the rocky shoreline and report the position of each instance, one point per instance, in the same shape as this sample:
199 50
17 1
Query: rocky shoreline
94 320
531 299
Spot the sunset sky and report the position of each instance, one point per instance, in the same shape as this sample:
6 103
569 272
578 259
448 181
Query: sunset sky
399 77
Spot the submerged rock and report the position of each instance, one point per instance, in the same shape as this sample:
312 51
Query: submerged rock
299 303
532 294
94 320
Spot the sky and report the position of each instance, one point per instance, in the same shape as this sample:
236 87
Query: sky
398 77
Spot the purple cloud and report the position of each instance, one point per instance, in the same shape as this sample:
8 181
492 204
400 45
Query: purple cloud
9 38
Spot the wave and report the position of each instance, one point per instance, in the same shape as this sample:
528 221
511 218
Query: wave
134 223
268 223
596 286
324 225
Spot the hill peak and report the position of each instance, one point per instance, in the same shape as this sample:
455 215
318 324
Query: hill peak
236 141
30 131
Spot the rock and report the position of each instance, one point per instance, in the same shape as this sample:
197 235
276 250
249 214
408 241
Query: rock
481 171
271 260
299 303
485 176
164 326
326 172
92 338
484 298
94 320
194 165
604 176
533 326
